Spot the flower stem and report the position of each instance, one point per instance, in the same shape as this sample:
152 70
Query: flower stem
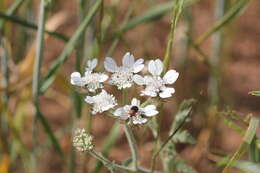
108 163
114 166
176 12
130 137
132 144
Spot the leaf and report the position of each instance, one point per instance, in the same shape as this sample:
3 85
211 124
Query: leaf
232 124
56 65
254 151
184 111
183 137
247 139
180 166
247 166
255 93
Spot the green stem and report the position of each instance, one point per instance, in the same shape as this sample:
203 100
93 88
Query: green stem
108 163
36 76
217 44
5 69
39 53
130 136
27 24
16 5
176 11
115 166
165 143
132 144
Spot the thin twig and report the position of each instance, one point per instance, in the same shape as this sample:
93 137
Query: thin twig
166 142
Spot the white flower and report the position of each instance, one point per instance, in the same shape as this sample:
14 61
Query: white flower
101 102
122 76
82 141
154 83
134 113
92 81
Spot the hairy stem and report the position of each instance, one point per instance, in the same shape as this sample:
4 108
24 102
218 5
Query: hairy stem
108 163
132 144
114 166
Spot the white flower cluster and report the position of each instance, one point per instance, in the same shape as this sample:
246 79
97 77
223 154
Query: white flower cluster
82 141
93 81
135 113
123 77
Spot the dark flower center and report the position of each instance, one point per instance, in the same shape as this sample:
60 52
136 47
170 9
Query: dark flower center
134 108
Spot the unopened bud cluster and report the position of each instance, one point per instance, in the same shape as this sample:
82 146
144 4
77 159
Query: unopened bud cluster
82 141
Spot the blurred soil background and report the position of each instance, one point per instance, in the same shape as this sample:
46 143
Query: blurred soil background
239 73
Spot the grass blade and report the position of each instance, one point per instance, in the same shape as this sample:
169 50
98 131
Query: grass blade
39 53
255 93
26 24
152 14
36 79
247 166
50 77
15 6
49 132
227 18
248 137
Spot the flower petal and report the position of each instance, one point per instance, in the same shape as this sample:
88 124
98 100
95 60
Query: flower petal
139 80
138 65
110 64
150 110
139 61
89 100
167 92
103 77
149 93
139 120
135 102
75 79
121 113
155 67
92 63
128 60
170 77
138 68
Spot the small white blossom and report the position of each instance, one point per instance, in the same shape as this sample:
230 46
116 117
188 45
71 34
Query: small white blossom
91 80
122 76
134 113
82 141
154 83
101 102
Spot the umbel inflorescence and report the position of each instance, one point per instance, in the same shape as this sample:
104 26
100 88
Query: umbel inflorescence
153 84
